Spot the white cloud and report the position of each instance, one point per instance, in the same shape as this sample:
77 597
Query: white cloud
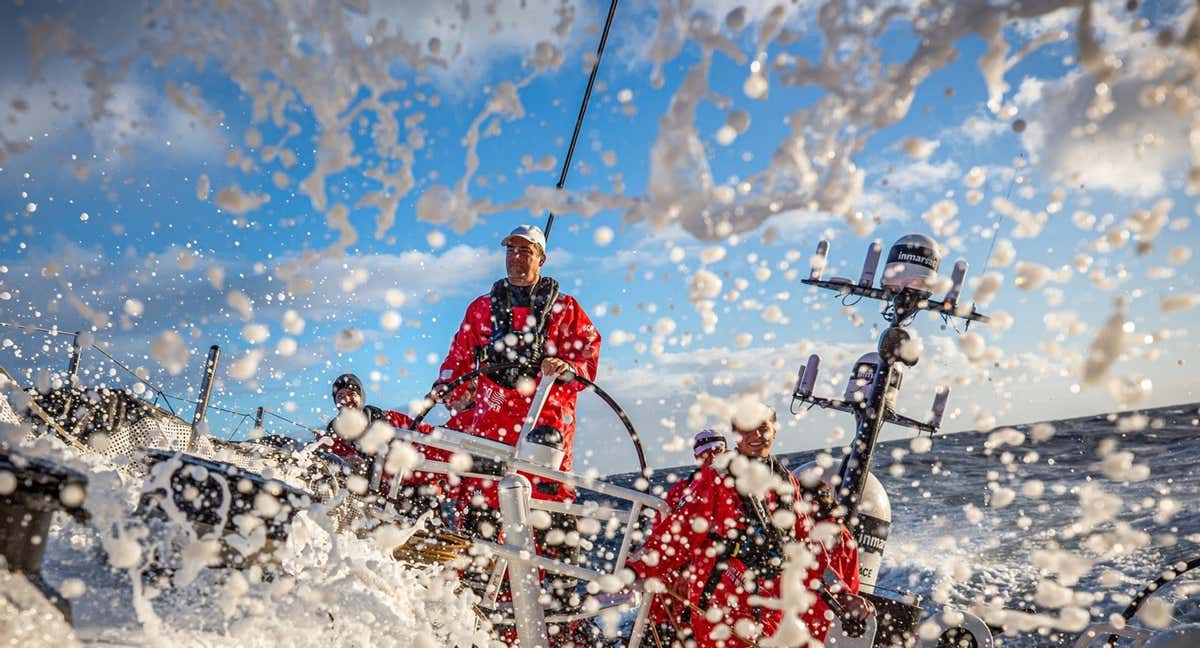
1132 151
1132 147
62 102
464 39
982 129
144 119
923 174
415 272
1029 92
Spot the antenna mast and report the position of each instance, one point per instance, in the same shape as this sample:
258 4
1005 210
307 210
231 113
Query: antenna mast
587 95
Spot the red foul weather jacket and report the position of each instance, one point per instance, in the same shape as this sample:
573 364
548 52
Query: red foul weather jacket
664 609
499 412
836 549
698 549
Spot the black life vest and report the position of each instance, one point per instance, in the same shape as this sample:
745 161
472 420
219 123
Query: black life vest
526 345
759 546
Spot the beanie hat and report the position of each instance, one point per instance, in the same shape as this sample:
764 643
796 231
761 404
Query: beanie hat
347 380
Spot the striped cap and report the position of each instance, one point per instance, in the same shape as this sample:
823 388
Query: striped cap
708 440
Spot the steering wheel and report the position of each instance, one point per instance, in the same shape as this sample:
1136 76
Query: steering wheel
608 400
1149 590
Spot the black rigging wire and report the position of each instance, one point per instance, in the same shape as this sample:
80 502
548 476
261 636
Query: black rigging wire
35 329
239 426
995 230
587 95
288 420
149 384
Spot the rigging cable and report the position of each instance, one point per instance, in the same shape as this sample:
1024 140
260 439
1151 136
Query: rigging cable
288 420
1007 196
587 95
35 329
147 382
158 391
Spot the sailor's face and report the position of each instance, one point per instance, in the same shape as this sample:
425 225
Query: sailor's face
348 397
756 442
523 260
705 458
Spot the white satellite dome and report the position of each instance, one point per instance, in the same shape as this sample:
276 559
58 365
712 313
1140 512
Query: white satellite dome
912 263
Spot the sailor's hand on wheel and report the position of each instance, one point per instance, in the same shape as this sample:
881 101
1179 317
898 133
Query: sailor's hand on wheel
556 366
439 392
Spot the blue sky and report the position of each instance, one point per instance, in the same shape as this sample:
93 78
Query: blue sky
146 148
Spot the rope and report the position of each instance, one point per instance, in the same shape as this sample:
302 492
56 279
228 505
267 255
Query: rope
239 426
587 95
35 329
996 230
432 548
158 391
654 635
288 420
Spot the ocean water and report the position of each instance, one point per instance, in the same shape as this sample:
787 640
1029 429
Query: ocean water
1099 507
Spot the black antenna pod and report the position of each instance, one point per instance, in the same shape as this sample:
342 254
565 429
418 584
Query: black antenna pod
587 95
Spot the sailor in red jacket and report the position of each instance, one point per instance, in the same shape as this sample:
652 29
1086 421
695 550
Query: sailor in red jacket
420 491
523 319
664 609
741 526
836 551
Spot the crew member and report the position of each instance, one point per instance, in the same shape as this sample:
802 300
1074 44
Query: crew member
733 531
527 323
420 491
524 320
344 434
665 610
836 551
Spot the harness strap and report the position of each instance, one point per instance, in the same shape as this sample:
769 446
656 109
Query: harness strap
710 586
690 607
541 302
542 298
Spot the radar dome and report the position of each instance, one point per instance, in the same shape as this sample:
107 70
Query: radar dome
912 263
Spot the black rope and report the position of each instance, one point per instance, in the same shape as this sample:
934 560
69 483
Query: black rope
288 420
156 389
239 426
227 411
36 329
166 399
587 95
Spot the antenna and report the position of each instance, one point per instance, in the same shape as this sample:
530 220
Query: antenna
905 289
904 299
956 283
870 265
939 406
818 261
807 378
587 95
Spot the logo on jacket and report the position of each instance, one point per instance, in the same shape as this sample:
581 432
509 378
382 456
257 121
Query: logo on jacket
494 399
